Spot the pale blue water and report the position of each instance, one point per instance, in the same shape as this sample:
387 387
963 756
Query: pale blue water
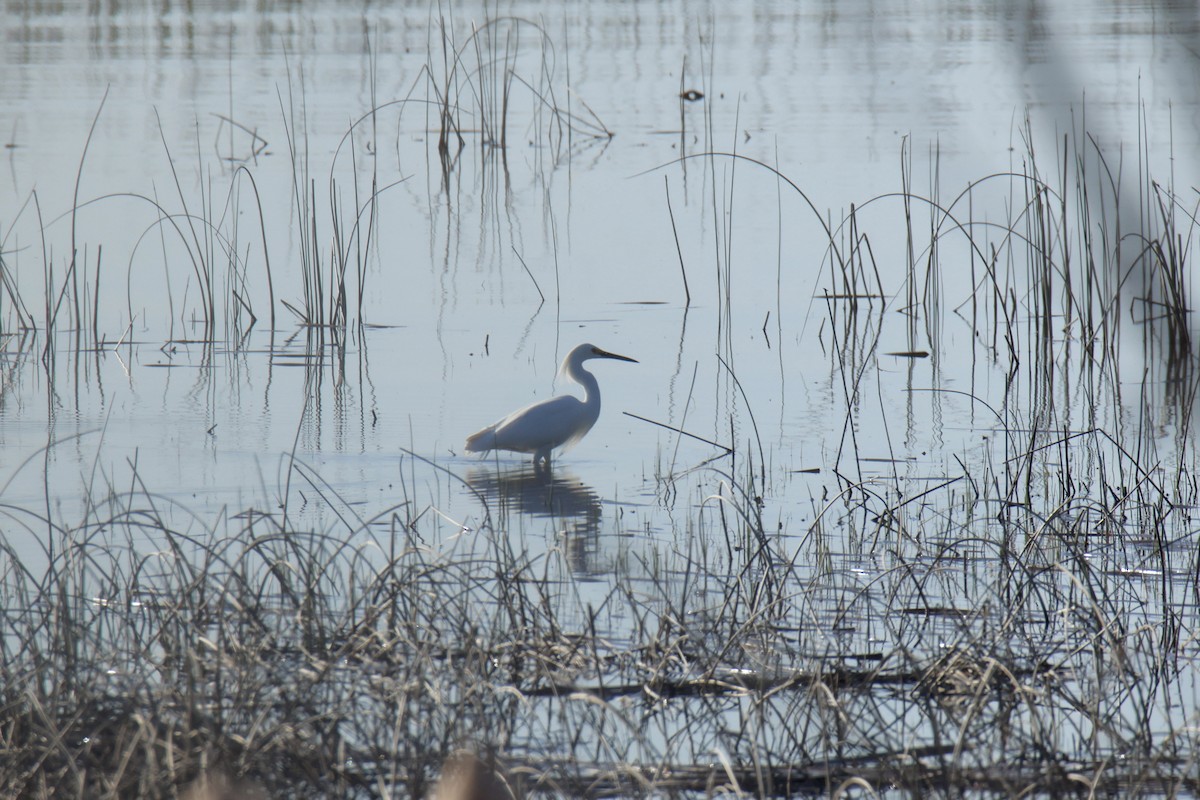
844 99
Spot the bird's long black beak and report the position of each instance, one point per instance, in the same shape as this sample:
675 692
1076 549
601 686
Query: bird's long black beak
598 353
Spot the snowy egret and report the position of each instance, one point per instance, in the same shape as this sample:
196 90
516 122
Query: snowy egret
558 422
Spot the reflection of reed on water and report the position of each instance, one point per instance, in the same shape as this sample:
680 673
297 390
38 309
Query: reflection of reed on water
558 495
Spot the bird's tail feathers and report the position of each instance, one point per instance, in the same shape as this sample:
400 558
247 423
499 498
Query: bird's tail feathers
481 441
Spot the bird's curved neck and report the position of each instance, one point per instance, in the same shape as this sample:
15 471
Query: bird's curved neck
590 387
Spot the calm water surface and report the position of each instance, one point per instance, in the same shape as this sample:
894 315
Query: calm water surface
452 331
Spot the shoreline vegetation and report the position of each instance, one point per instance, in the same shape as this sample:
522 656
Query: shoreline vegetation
1027 626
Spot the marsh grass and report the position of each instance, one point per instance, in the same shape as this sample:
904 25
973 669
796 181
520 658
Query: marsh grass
1022 627
1019 652
1022 624
477 87
473 80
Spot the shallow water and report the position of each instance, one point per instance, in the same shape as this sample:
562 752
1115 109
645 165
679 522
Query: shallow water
829 95
455 331
895 396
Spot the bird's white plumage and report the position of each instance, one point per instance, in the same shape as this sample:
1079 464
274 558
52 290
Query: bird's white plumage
551 424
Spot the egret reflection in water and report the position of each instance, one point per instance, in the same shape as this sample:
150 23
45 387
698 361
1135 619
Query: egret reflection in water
572 504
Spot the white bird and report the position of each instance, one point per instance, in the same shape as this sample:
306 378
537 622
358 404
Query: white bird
558 422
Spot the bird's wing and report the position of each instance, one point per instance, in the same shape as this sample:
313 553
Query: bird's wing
518 431
546 424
